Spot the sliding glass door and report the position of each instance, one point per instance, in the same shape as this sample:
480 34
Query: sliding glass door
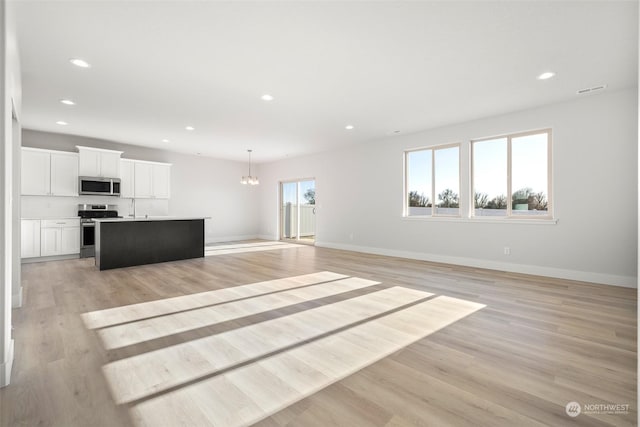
298 210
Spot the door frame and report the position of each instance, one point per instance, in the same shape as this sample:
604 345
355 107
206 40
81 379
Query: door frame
297 240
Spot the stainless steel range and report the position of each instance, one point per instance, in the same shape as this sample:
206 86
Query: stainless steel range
87 226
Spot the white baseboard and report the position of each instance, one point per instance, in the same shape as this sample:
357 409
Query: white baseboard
267 237
16 299
560 273
5 367
218 239
49 258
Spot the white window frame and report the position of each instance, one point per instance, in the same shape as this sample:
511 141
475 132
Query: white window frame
509 215
433 150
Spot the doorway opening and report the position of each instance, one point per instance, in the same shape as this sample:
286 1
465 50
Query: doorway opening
298 211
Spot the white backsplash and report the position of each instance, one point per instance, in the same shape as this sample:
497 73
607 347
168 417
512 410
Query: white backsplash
52 206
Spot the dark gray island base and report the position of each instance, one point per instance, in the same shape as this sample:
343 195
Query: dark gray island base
129 242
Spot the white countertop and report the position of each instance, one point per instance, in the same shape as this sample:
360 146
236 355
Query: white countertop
51 217
151 218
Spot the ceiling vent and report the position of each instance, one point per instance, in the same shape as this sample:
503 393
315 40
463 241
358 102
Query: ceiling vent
592 89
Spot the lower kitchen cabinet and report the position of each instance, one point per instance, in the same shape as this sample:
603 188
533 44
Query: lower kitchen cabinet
30 238
60 237
51 241
70 240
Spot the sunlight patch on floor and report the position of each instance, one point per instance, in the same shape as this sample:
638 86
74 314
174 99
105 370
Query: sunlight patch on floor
148 373
148 329
134 312
242 375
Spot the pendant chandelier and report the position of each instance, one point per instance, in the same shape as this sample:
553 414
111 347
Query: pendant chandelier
249 179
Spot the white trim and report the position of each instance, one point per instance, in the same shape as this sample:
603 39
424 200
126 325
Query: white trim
5 367
486 220
273 237
46 150
146 161
16 299
218 239
81 147
49 258
560 273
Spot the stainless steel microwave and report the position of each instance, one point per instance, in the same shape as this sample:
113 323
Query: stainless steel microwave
89 185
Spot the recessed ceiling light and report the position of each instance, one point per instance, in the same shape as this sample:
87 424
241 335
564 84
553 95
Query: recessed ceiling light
61 123
190 128
547 75
267 97
80 63
165 140
67 102
348 127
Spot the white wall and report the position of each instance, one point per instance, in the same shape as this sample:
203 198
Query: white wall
359 196
10 95
16 270
200 186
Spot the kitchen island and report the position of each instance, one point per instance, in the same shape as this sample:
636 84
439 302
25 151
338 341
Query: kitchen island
125 242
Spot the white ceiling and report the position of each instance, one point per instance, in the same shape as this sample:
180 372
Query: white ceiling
158 66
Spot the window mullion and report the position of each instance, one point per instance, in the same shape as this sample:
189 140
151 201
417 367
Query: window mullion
549 174
405 185
509 190
433 182
472 190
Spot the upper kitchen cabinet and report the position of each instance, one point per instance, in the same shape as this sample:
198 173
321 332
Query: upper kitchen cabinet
127 178
97 162
64 174
152 180
161 180
49 173
36 172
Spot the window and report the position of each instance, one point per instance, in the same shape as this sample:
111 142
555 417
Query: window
432 181
518 165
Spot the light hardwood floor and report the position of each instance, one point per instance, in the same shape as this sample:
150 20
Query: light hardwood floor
354 340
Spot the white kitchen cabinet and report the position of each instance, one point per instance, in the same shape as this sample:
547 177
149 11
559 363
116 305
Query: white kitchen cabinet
64 174
96 162
89 163
127 178
50 241
161 180
30 238
110 165
143 180
36 172
70 240
59 237
49 173
152 180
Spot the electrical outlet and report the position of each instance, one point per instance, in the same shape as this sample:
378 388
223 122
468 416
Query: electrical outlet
507 250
